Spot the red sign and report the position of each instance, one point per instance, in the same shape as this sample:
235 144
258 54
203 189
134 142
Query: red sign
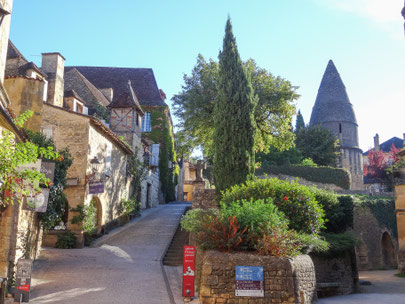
188 271
24 287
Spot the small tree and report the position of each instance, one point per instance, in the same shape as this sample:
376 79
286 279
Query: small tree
319 144
377 164
235 129
299 123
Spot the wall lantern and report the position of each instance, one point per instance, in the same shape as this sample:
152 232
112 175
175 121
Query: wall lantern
3 13
94 165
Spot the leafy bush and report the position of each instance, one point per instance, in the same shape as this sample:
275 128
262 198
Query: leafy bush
130 207
296 201
337 176
87 217
193 221
341 241
260 216
66 240
290 243
308 162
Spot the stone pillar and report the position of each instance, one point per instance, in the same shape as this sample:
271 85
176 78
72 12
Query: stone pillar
400 212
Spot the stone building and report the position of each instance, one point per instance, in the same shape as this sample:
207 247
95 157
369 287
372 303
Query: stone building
378 185
62 116
400 213
334 111
15 222
156 125
189 178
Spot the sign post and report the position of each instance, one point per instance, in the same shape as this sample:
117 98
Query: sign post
249 281
23 281
188 271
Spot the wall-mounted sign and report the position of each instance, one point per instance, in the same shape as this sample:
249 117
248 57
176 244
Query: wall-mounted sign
48 168
96 187
72 181
249 281
39 202
188 271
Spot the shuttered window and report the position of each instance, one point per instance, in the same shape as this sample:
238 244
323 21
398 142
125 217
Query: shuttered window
146 122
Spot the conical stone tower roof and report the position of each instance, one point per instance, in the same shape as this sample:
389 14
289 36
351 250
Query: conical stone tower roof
332 103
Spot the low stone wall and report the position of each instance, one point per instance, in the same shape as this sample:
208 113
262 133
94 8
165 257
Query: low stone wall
335 275
286 280
204 199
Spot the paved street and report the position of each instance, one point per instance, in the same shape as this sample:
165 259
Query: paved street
385 289
125 268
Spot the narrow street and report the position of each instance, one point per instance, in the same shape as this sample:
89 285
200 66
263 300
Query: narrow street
124 267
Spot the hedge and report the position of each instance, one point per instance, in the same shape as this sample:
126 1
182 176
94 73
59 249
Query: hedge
326 175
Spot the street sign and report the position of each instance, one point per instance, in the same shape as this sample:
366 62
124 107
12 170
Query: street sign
249 281
188 271
23 281
96 187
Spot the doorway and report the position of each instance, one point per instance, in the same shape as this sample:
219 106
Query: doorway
388 251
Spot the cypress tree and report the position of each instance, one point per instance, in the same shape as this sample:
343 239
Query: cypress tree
299 123
234 124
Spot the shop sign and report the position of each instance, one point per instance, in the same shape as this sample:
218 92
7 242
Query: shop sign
39 202
96 187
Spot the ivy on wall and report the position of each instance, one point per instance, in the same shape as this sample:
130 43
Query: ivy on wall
162 133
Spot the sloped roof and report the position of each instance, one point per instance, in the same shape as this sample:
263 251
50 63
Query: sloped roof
13 52
386 145
74 80
142 79
127 100
72 93
332 102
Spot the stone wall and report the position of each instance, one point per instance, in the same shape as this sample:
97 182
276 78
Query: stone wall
374 250
286 280
204 199
4 33
151 178
400 210
335 275
303 181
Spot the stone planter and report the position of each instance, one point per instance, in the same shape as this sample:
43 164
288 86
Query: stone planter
286 280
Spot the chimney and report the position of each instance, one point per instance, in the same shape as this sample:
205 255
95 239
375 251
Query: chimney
53 64
376 143
108 93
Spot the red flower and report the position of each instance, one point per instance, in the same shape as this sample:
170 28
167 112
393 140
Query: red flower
285 198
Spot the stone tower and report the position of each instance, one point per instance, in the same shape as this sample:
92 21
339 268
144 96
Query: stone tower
126 115
334 111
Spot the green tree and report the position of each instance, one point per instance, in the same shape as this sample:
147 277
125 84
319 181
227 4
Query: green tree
299 123
319 144
194 106
234 124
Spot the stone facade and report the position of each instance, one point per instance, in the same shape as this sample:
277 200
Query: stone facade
378 246
89 139
286 280
4 33
400 212
335 275
205 199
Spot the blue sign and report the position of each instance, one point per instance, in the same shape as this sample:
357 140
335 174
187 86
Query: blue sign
249 273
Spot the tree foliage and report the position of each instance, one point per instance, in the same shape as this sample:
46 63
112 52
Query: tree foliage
319 144
234 123
194 106
57 202
299 123
17 181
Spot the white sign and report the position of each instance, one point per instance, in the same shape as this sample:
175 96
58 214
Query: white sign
39 202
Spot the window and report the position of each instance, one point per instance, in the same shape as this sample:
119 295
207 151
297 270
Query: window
146 122
340 128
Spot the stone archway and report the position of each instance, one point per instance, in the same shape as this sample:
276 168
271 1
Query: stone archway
388 251
99 213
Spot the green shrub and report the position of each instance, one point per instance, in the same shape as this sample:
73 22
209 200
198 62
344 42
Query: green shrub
66 240
339 242
308 162
297 202
329 175
289 243
86 218
260 217
130 207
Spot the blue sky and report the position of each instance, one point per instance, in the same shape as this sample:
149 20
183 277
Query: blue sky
291 38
